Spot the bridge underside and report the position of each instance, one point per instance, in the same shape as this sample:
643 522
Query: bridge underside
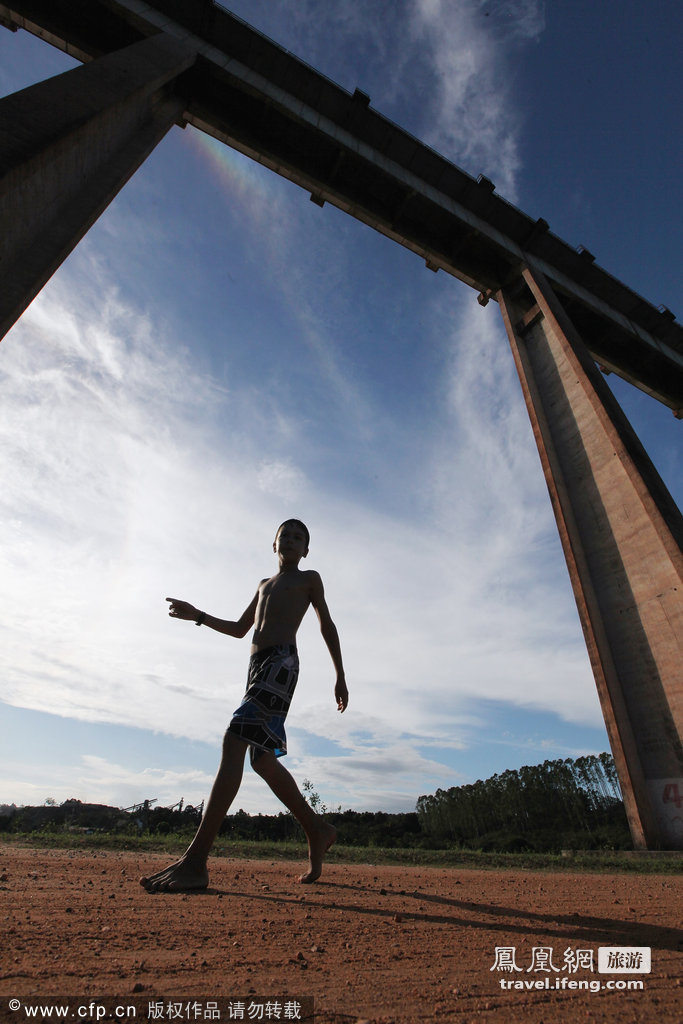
258 98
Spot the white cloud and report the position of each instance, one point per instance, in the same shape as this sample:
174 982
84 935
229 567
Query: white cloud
439 68
373 776
94 779
122 495
473 119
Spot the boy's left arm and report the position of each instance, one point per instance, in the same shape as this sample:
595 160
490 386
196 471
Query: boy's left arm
331 638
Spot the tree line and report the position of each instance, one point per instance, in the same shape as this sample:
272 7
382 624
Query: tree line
548 807
551 805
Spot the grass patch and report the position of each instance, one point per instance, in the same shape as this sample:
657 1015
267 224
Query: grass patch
174 844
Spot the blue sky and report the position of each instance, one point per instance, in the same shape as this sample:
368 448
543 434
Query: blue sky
219 354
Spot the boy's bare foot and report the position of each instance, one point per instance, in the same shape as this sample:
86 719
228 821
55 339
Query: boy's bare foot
183 876
318 845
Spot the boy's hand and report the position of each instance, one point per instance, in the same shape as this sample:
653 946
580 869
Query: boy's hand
341 694
181 609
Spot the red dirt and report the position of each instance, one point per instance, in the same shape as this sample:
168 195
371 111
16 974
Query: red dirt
371 944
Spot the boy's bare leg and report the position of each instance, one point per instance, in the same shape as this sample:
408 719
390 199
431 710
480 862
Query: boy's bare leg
319 833
190 872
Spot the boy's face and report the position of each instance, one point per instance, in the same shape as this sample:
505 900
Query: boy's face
290 544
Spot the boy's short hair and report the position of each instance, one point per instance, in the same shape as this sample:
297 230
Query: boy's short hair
297 522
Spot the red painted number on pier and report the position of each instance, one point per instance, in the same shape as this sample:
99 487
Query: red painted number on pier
671 794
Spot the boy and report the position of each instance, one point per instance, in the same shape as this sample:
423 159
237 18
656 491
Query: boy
275 612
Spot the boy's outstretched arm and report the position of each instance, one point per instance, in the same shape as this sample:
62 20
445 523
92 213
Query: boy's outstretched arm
331 638
185 610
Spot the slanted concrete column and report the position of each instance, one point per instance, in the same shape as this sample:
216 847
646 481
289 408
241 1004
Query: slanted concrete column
67 145
623 540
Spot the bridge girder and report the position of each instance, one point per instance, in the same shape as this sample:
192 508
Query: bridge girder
258 98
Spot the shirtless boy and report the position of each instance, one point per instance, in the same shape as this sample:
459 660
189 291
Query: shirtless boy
275 613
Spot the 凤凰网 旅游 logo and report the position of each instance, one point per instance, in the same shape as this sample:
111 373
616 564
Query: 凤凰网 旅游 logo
624 959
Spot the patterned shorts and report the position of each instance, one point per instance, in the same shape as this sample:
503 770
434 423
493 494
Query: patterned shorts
260 718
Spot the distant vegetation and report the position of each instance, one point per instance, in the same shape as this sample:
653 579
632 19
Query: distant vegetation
562 804
559 805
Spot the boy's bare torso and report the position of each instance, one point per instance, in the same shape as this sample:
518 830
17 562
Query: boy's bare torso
282 602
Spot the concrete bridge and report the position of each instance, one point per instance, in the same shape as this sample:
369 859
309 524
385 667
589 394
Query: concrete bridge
69 144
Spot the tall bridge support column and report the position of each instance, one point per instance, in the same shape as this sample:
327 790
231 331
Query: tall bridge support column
67 145
622 536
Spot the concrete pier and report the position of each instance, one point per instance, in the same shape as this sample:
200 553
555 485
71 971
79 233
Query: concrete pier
622 536
67 145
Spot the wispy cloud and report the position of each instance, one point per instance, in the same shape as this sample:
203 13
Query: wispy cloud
439 68
120 481
472 117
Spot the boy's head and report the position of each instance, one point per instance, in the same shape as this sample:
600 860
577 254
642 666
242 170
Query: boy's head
298 525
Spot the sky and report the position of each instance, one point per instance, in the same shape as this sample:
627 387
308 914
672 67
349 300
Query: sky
219 354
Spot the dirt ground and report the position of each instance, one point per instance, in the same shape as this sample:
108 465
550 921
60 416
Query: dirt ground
370 944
